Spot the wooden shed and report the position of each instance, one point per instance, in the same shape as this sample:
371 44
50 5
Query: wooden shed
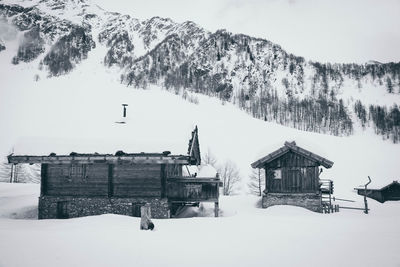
389 192
78 185
292 177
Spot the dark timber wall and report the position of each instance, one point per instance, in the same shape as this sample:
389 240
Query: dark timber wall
76 180
137 180
298 184
298 175
74 190
120 180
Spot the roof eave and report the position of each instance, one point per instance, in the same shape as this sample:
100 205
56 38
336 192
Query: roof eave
296 149
170 159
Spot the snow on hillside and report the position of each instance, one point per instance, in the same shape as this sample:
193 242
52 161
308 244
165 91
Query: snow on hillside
54 37
78 112
244 236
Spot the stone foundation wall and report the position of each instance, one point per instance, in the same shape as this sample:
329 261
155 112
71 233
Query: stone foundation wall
87 206
312 202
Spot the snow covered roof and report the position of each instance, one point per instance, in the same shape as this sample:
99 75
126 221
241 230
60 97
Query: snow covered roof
162 158
291 146
51 150
394 183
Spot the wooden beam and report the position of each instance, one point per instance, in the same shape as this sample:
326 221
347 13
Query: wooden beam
194 180
163 181
12 173
110 180
192 200
43 179
216 209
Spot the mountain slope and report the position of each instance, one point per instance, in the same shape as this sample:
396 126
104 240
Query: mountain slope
77 112
258 76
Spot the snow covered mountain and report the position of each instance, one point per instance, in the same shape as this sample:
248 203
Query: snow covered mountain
53 36
67 66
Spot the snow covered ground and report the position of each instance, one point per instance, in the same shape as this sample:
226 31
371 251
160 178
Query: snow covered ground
78 112
244 236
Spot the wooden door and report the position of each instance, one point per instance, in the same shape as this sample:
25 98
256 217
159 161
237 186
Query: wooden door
294 180
62 210
136 209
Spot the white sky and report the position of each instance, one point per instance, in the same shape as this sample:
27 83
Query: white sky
334 31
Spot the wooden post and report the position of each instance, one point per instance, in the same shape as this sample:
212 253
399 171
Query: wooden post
110 180
15 174
12 173
365 196
163 181
259 182
216 209
330 197
43 179
145 222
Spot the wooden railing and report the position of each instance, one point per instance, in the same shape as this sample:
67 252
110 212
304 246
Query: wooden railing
199 189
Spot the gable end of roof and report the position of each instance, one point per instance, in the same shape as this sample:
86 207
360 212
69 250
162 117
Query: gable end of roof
291 146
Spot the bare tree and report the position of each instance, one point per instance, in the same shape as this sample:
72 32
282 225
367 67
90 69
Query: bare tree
209 158
257 182
229 174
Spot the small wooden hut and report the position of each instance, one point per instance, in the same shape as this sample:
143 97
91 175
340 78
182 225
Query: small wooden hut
389 192
292 177
78 185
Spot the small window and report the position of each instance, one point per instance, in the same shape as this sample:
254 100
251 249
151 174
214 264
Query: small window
303 172
77 170
278 174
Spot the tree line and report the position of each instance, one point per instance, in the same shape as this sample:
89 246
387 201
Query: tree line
385 121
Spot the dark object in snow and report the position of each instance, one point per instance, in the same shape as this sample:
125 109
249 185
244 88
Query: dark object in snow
52 154
124 113
93 184
292 178
386 193
145 221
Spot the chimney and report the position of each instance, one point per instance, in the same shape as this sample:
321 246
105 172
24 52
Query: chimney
124 105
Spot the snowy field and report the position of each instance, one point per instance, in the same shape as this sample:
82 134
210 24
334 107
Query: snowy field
244 236
78 112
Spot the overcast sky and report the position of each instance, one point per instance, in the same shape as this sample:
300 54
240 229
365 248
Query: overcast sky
334 31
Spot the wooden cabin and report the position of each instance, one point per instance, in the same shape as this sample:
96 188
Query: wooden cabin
292 177
78 185
389 192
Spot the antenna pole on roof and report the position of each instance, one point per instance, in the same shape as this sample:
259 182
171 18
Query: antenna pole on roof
124 105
